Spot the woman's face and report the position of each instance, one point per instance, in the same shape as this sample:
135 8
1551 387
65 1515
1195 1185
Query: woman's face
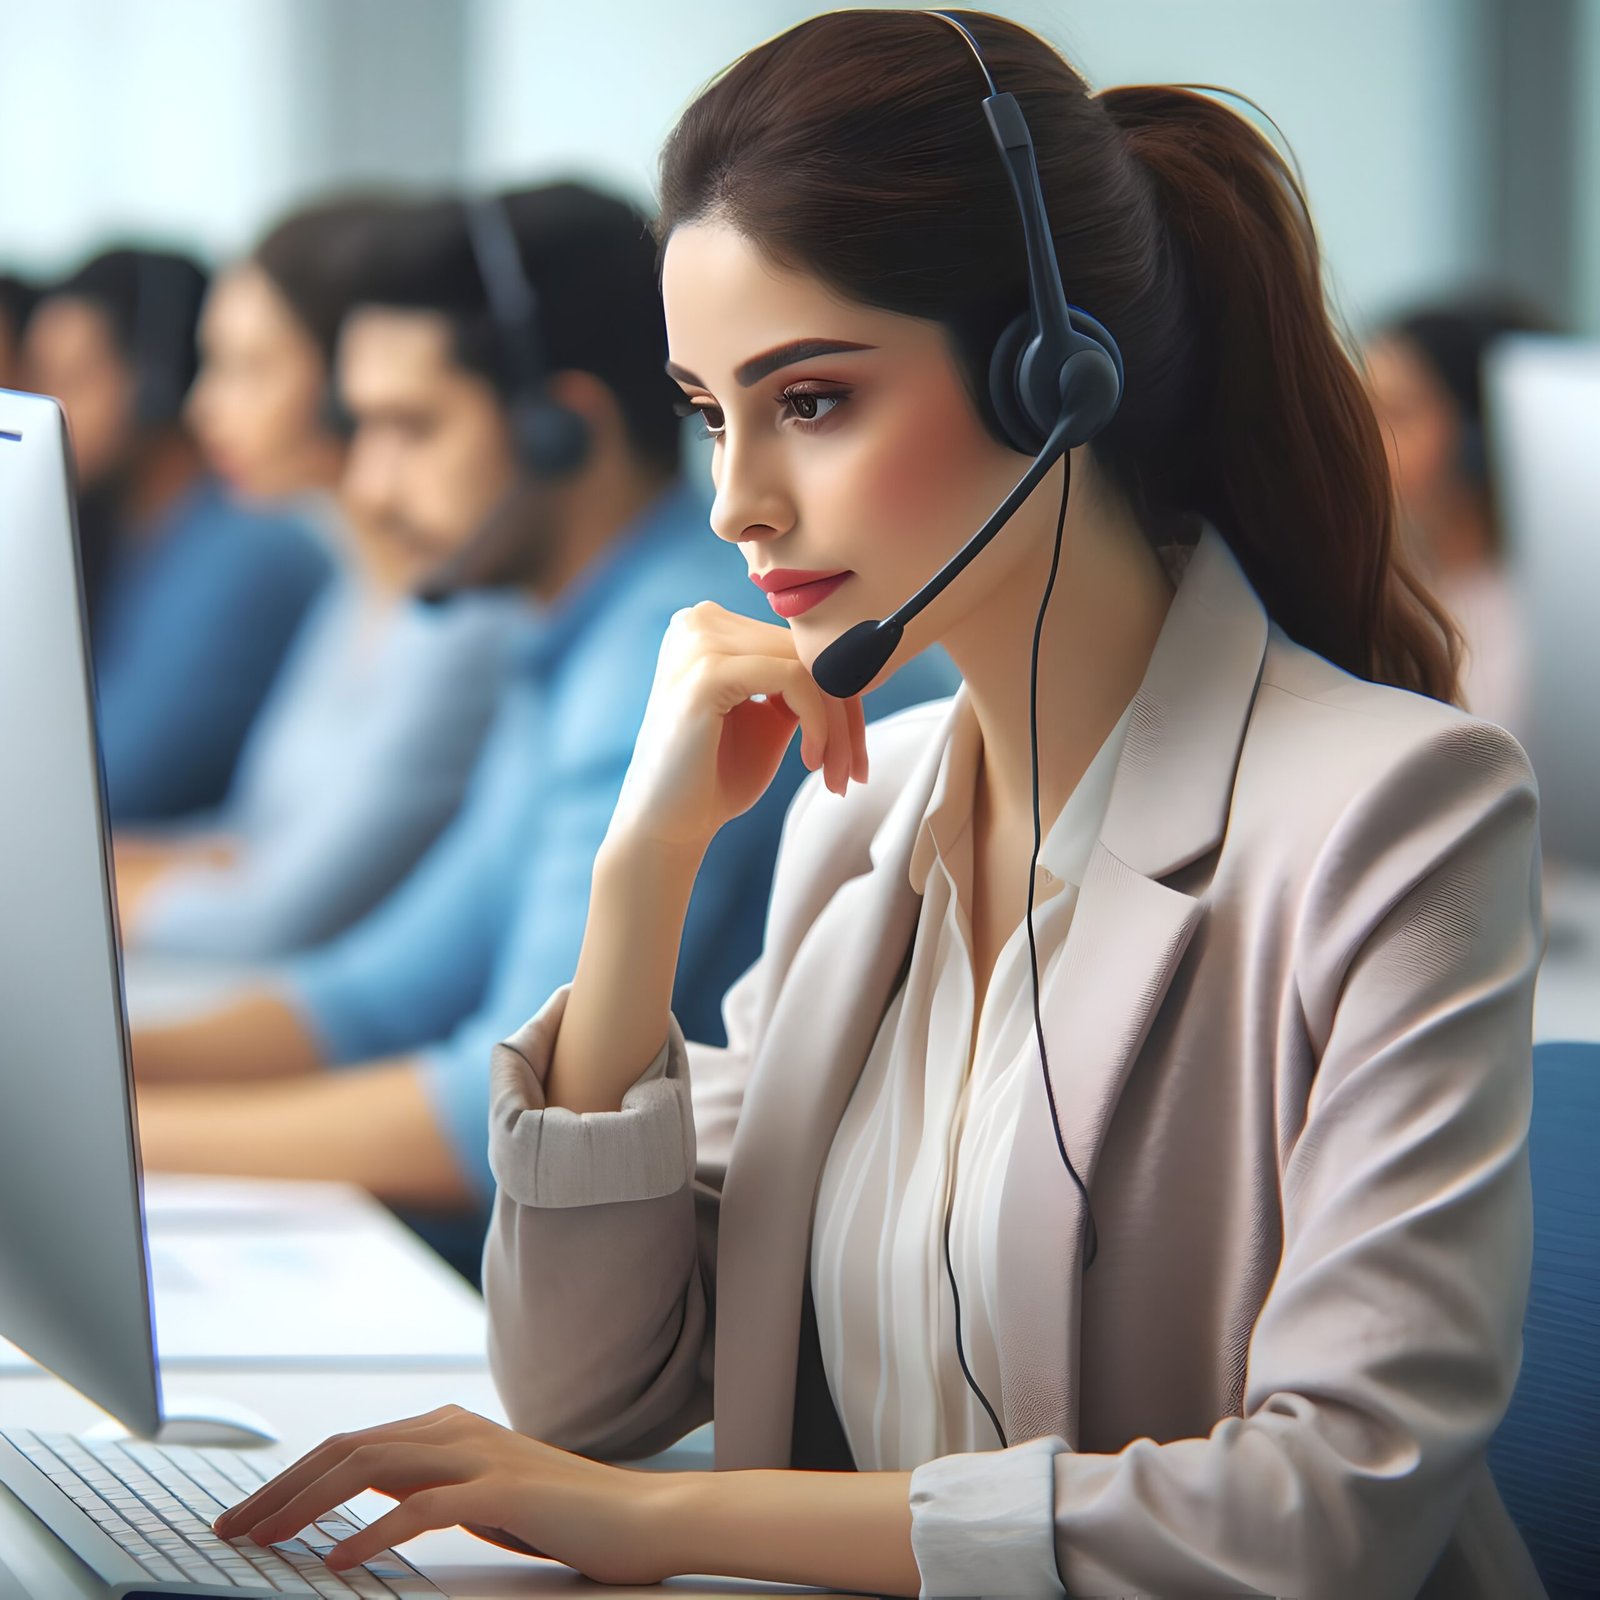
70 351
1421 426
257 405
845 441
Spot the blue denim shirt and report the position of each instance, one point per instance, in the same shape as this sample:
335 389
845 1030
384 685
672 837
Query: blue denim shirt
195 618
492 920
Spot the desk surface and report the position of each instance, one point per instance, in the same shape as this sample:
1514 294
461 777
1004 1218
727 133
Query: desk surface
309 1401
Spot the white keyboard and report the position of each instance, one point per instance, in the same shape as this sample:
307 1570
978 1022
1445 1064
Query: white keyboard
155 1505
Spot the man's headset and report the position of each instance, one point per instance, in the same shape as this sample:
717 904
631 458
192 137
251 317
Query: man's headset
549 440
1055 379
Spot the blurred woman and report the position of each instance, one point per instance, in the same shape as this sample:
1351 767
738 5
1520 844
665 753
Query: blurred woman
192 598
363 750
1425 371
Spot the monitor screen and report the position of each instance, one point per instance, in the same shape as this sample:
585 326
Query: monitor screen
74 1271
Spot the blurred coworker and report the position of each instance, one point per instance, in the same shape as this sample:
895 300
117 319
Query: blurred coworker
17 299
1425 370
192 599
362 751
405 1007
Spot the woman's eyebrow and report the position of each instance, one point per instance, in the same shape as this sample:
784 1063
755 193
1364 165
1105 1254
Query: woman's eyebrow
759 367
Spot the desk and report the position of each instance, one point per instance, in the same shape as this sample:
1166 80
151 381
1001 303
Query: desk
308 1397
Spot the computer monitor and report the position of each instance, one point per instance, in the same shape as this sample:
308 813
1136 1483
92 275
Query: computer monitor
74 1264
1543 409
74 1271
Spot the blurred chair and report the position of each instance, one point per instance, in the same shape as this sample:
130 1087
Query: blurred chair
1546 1454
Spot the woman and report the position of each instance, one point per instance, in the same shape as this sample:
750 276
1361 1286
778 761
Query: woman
363 751
193 598
1287 928
1426 372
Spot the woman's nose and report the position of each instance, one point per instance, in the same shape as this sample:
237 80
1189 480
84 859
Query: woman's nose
751 501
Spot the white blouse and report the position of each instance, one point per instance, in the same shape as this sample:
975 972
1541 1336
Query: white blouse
935 1106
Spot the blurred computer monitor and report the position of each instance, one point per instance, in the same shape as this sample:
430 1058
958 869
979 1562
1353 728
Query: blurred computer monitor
1543 407
74 1277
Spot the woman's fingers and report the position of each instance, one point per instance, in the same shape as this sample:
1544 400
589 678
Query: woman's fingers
858 738
839 757
719 683
827 739
398 1469
279 1491
440 1507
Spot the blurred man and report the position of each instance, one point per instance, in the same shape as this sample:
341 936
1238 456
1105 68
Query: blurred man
368 1060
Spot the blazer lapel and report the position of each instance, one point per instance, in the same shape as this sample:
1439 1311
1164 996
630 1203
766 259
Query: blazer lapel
817 1040
1168 807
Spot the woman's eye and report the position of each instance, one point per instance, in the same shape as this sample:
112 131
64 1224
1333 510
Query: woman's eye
809 407
709 413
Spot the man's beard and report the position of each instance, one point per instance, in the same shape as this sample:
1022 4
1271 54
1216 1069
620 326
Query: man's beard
514 547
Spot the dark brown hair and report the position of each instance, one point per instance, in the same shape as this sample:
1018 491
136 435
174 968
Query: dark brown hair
854 147
316 258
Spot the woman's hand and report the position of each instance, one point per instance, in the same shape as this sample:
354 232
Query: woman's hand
451 1467
707 750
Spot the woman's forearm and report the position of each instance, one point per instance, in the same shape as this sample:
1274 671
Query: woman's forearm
617 1013
833 1530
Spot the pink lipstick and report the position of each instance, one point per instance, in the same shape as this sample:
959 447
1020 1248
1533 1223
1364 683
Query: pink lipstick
791 593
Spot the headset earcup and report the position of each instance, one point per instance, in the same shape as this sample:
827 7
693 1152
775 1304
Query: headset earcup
1090 390
552 441
1109 379
1004 388
1029 397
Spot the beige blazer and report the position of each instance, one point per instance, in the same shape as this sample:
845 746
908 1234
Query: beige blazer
1290 1040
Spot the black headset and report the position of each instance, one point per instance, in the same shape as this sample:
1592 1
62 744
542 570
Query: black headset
1055 379
550 440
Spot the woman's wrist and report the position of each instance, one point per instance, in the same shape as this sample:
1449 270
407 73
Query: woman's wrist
837 1530
630 858
618 1012
664 1509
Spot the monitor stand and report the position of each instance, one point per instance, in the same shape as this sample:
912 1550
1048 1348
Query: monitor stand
201 1420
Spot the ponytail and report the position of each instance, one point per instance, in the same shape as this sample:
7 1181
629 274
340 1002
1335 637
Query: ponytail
1283 451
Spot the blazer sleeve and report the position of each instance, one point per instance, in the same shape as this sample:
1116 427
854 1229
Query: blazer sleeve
600 1264
1388 1346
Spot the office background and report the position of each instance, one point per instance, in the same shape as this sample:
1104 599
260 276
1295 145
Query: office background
1444 143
